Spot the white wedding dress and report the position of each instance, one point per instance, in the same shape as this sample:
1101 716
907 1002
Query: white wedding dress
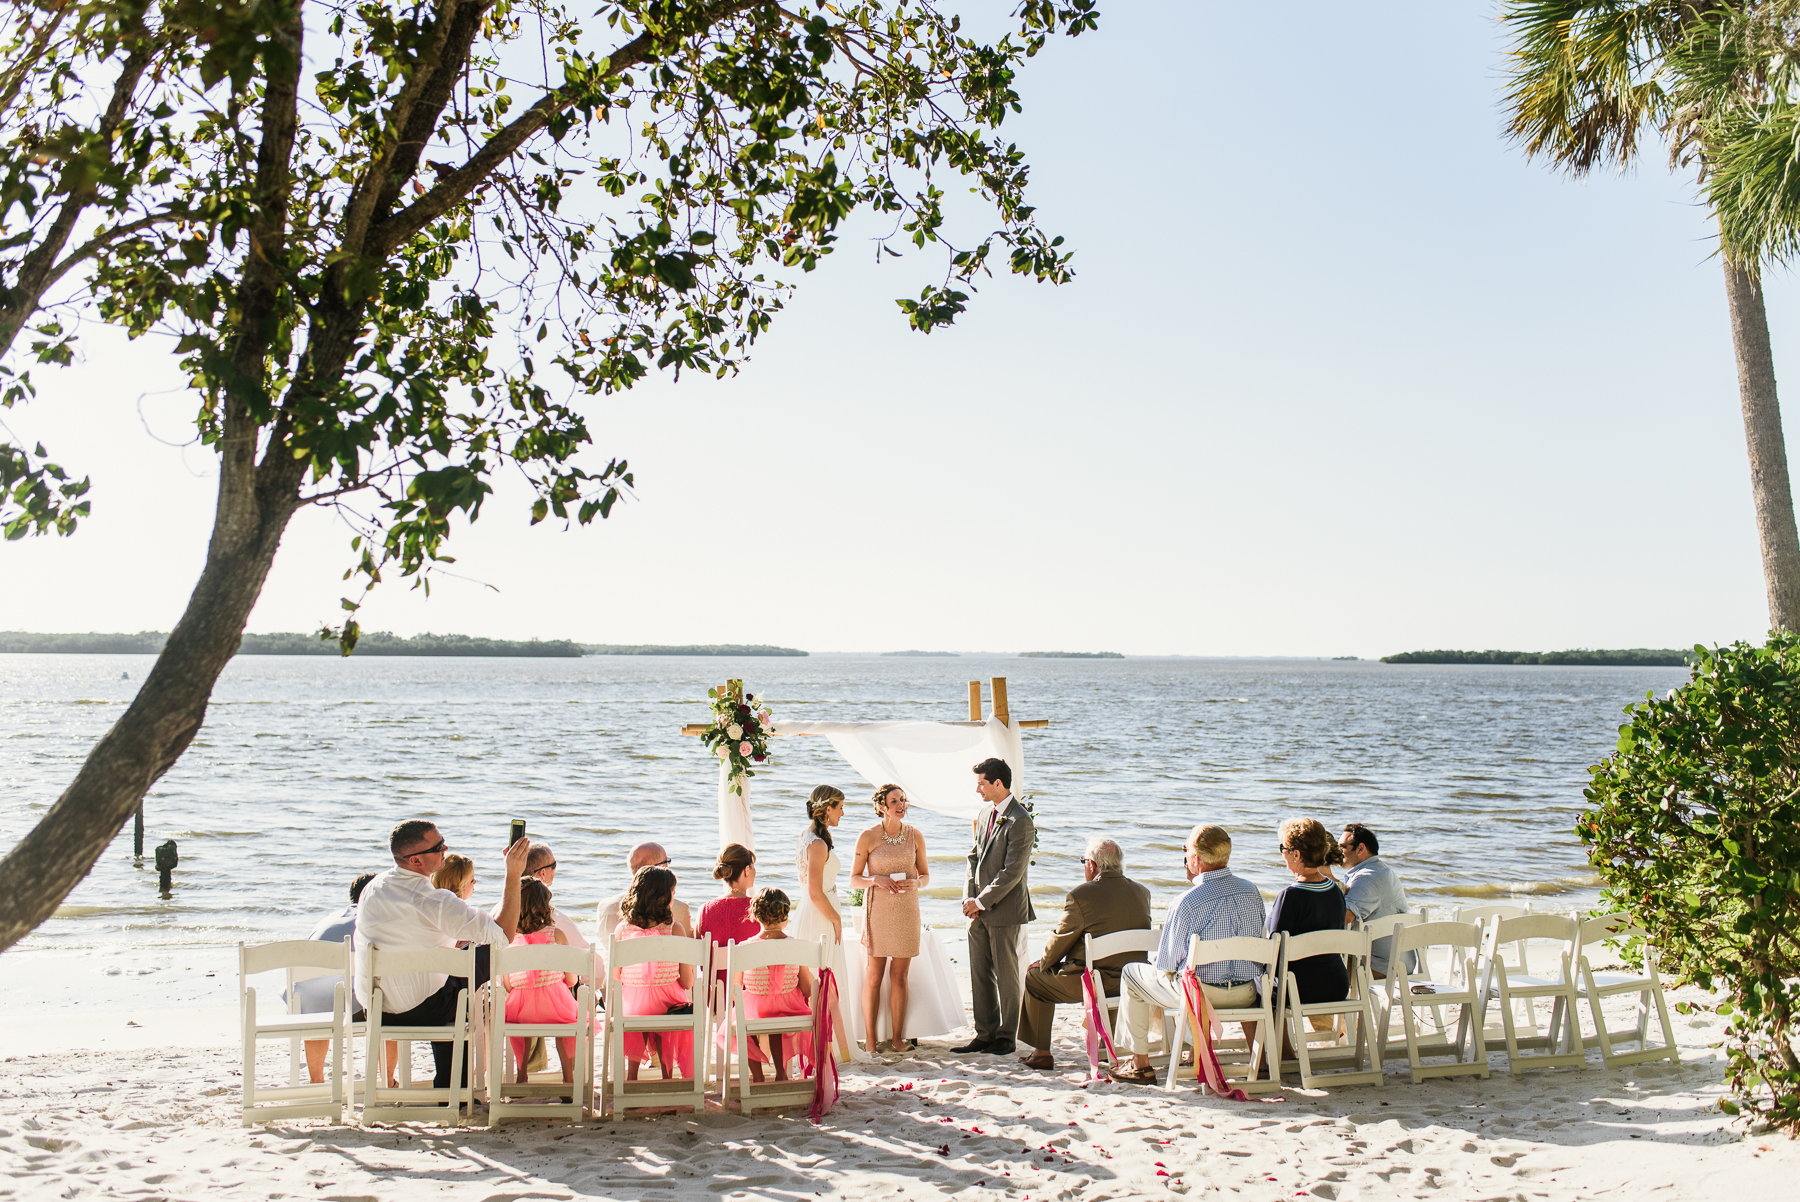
934 999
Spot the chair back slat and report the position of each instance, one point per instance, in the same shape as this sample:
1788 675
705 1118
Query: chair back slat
1479 914
1266 952
1383 927
542 957
291 953
771 952
1100 947
1327 943
1608 928
1437 934
655 949
1538 926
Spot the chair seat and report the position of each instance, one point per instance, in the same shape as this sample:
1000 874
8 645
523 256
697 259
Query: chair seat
1615 980
1551 980
778 1025
656 1022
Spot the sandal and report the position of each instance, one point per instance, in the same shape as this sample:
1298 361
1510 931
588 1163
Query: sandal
1132 1076
887 1047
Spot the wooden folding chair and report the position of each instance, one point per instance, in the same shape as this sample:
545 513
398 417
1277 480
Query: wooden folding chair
1557 984
301 959
409 1102
741 1028
1466 945
620 1094
503 1090
1363 1057
1097 948
1266 1014
1598 986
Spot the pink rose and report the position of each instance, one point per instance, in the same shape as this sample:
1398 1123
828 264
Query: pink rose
744 749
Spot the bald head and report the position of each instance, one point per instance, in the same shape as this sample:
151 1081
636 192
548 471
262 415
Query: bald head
645 854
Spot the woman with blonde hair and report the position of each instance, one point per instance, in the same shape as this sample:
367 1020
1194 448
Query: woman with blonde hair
1314 902
890 867
457 874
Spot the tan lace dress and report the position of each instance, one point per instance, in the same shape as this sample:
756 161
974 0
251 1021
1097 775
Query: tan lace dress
891 920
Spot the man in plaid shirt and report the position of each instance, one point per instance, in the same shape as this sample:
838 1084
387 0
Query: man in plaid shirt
1219 905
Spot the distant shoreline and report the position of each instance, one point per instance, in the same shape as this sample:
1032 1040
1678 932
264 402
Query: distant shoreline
380 642
739 649
1070 655
1635 657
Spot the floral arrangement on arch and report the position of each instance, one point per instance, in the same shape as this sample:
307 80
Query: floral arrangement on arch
739 733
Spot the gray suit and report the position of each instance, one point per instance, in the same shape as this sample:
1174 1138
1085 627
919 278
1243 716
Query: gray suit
998 863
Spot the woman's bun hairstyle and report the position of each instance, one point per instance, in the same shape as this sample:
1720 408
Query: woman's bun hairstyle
771 906
732 862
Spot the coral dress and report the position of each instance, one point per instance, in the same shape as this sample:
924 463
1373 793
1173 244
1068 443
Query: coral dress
726 920
539 996
774 992
891 922
652 989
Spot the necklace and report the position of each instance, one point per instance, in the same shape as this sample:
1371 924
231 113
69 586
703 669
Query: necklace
899 838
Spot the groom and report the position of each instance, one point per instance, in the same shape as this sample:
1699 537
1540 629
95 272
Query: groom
997 902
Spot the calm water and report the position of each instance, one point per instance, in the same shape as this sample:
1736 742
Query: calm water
1472 776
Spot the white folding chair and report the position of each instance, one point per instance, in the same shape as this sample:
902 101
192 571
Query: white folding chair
1519 964
1465 945
409 1102
1363 1056
718 1013
1266 1014
741 1028
301 958
1398 966
503 1089
1096 948
620 1094
1598 986
1557 984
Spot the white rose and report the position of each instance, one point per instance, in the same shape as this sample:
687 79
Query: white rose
721 751
735 731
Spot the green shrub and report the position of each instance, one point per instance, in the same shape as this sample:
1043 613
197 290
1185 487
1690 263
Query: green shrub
1695 828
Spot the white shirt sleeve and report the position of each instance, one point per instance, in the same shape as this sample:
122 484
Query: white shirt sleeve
463 923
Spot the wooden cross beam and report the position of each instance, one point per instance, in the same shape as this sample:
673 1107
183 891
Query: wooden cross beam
1001 710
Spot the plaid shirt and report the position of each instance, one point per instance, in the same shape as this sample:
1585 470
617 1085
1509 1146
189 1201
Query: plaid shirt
1218 906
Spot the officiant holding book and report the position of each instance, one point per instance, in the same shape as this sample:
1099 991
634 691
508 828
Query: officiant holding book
997 903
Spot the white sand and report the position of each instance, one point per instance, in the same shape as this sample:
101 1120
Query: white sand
150 1113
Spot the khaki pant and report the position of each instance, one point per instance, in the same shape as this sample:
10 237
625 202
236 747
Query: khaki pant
1044 991
1143 988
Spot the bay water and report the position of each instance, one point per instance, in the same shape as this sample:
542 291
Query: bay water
1472 776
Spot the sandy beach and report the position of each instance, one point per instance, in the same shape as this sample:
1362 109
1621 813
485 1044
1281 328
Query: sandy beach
143 1105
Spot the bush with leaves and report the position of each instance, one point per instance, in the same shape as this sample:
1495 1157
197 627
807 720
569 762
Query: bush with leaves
396 248
1695 828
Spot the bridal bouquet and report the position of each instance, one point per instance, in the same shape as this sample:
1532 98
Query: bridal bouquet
739 733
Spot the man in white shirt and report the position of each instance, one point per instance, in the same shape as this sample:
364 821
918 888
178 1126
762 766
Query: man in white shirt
612 911
401 910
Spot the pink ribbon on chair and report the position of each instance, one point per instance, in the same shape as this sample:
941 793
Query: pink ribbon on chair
825 1074
1206 1061
1091 995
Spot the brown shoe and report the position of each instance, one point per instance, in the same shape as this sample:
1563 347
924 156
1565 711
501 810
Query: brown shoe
1126 1075
1038 1060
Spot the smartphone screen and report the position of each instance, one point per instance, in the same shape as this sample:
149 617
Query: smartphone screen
518 831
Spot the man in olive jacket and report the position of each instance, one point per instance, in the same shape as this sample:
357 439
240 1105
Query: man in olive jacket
997 902
1104 903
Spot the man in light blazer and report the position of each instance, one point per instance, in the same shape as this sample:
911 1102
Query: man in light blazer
997 902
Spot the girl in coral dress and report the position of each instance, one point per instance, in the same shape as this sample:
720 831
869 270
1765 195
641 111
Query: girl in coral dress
779 990
540 996
659 987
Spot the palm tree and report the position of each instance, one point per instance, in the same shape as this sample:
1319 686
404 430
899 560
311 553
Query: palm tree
1587 80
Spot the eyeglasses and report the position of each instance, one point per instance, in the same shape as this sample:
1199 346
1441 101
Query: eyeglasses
1285 850
1089 860
429 851
543 868
662 863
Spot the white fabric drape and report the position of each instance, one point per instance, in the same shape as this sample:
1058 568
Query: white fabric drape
930 760
734 812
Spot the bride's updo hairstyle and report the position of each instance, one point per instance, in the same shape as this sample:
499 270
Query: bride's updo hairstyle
732 862
822 799
879 800
1309 837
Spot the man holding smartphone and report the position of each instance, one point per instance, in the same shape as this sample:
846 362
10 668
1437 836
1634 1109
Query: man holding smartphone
402 911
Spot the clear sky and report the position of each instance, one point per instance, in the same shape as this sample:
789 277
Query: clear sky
1340 374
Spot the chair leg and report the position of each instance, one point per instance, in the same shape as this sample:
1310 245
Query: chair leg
1511 1033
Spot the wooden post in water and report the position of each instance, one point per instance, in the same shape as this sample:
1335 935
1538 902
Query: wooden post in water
137 832
974 701
1000 709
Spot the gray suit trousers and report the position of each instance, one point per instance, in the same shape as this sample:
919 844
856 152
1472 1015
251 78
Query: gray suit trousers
994 978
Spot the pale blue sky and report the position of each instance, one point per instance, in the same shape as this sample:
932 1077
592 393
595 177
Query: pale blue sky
1340 374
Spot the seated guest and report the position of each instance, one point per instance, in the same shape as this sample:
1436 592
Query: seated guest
1105 901
778 991
655 987
401 911
457 874
540 865
644 855
316 993
727 919
540 996
1371 890
1312 903
1220 905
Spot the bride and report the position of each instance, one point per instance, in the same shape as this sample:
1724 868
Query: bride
933 1000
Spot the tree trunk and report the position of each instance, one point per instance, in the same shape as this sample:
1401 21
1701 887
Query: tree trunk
1768 450
167 712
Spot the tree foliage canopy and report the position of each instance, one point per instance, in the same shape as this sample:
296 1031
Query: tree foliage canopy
394 245
1695 827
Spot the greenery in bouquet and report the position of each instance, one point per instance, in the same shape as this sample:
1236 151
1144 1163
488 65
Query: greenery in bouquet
739 733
